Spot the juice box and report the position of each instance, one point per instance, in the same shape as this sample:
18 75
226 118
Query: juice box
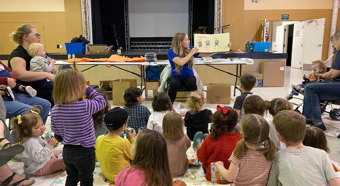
216 176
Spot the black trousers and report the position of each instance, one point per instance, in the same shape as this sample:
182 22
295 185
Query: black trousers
45 93
176 82
80 163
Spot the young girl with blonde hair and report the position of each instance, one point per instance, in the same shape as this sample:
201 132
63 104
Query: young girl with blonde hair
150 164
220 143
177 143
197 118
161 105
39 157
252 158
274 106
71 118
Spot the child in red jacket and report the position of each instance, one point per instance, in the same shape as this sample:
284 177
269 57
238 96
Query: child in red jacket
221 142
8 84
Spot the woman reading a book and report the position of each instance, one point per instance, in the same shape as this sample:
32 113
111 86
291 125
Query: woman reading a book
181 57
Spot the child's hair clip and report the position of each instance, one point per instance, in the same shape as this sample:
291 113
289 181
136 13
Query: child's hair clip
224 110
19 119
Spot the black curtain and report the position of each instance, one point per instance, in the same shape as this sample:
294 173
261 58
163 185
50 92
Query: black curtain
97 27
211 17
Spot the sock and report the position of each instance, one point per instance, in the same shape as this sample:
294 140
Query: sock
29 90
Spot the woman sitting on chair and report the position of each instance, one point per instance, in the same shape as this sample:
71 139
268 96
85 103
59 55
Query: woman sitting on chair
181 57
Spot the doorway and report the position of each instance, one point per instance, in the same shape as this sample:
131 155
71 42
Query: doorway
289 43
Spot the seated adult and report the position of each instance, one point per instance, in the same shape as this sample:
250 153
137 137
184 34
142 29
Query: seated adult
19 60
314 92
181 57
22 102
7 151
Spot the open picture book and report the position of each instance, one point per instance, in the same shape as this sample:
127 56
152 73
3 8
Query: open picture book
212 42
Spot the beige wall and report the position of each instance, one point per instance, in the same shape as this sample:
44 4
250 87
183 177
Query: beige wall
288 4
57 27
32 6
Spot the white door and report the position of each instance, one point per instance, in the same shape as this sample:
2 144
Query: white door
297 45
279 41
313 35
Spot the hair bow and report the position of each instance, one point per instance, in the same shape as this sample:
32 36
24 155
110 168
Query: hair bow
19 119
224 110
34 112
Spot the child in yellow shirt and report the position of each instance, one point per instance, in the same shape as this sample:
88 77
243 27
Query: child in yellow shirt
113 152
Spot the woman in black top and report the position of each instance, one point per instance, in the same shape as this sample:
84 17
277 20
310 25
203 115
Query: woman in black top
19 60
197 118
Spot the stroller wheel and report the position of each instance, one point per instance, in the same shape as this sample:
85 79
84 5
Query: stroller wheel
331 114
337 114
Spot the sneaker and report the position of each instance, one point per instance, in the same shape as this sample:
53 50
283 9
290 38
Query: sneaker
289 97
320 126
9 93
297 90
30 91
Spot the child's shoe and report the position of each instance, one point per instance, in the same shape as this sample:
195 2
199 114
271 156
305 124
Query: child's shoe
289 97
30 91
9 93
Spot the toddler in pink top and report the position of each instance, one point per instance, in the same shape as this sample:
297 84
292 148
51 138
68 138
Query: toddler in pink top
150 165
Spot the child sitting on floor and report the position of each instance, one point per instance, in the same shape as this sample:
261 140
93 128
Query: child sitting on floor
39 63
274 106
39 158
140 114
8 84
247 83
161 105
71 118
177 143
112 151
197 118
318 67
150 164
254 105
316 138
298 164
251 160
98 118
221 142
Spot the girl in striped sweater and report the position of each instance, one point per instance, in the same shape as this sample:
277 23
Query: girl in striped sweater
253 156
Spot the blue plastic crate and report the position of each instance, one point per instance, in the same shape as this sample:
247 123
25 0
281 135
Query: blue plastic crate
261 46
75 48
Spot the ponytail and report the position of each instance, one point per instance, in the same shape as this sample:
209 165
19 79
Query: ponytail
269 150
267 105
240 149
278 104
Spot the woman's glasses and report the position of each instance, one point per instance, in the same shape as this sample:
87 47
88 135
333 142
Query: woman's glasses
36 34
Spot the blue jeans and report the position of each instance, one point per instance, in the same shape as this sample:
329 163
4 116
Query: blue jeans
23 103
314 92
299 86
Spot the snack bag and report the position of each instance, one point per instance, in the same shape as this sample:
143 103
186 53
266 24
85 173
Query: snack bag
129 129
313 75
216 176
48 137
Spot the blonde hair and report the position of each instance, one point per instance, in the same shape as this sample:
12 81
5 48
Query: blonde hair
23 124
69 86
276 105
291 125
321 65
32 49
173 126
195 102
255 130
180 51
17 36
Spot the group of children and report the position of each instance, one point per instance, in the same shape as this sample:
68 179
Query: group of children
241 144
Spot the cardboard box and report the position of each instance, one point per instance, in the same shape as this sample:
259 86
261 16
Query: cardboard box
118 88
151 87
218 93
273 73
258 77
106 86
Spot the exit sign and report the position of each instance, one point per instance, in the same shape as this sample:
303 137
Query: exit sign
285 16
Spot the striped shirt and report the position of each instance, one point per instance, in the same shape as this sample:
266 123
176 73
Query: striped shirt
253 169
74 121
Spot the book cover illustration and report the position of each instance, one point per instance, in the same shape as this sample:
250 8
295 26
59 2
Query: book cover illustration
212 42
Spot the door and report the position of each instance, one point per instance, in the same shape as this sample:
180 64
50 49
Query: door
279 39
6 45
297 45
313 35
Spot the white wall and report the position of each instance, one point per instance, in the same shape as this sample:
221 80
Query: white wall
32 6
158 18
287 4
